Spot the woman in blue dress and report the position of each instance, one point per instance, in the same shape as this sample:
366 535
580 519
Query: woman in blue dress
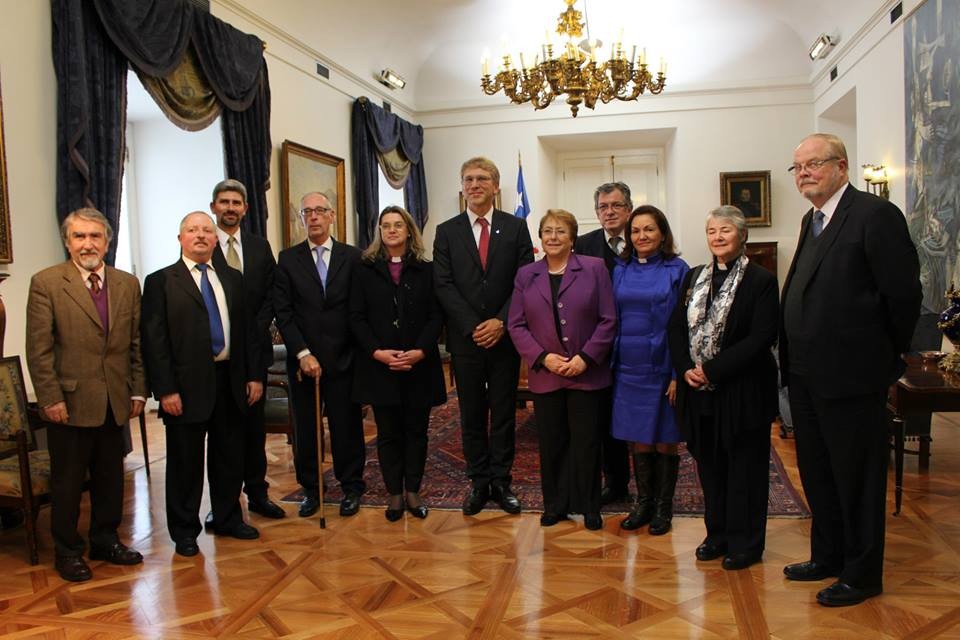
646 286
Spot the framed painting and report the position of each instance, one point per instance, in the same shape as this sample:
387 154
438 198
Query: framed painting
6 241
749 191
13 399
304 170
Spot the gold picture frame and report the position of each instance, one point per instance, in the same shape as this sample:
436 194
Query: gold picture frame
304 170
749 191
6 240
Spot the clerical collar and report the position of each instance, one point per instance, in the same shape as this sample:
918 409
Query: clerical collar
396 258
653 258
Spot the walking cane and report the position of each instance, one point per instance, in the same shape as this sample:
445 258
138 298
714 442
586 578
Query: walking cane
316 407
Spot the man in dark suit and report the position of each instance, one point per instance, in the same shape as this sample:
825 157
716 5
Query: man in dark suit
476 256
251 255
613 205
850 302
202 361
83 353
311 299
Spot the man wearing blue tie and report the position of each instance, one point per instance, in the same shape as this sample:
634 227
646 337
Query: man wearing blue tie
201 354
311 292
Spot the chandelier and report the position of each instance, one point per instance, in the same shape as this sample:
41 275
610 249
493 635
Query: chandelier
579 74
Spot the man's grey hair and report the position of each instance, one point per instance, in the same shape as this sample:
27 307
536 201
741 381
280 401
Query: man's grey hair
734 215
229 185
610 187
91 215
318 193
183 221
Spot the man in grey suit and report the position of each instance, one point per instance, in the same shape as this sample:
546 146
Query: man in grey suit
850 303
83 353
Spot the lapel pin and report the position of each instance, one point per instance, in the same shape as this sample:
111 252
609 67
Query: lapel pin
496 231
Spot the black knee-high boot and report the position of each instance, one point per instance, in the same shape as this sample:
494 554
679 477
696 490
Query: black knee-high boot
642 510
665 477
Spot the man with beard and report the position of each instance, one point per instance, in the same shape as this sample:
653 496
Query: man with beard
203 362
83 353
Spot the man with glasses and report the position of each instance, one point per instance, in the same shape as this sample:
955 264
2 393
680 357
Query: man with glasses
476 256
613 205
311 295
850 303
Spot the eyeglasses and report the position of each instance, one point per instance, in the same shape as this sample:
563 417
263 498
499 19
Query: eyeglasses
607 206
810 165
399 226
309 211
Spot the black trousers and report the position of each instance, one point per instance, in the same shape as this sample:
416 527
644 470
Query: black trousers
255 483
346 432
75 451
842 454
402 445
569 450
223 432
614 453
487 384
735 477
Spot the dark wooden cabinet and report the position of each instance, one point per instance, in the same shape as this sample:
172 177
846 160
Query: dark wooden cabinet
764 254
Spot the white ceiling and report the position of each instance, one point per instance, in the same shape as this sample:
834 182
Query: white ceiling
436 45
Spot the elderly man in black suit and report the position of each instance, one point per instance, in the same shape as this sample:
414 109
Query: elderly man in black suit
251 255
202 361
476 256
850 303
613 205
311 300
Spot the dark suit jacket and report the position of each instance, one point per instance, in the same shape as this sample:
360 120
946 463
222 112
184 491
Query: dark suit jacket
468 294
309 317
595 244
177 347
588 318
407 316
70 357
259 267
863 300
743 372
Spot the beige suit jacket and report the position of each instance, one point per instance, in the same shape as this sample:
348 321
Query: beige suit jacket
69 355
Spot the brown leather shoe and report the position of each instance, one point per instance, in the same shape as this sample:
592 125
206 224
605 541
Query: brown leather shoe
72 568
117 553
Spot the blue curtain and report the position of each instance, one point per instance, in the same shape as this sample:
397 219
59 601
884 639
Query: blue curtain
374 130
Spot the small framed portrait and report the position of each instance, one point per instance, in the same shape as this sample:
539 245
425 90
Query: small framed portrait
749 191
305 170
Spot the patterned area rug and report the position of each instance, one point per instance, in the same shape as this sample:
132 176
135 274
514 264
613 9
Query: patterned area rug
445 485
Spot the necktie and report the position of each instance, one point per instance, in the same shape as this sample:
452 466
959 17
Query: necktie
321 266
817 223
213 311
94 283
484 245
233 258
615 244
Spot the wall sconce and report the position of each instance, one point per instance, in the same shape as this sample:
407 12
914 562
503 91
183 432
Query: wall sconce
875 175
821 47
391 79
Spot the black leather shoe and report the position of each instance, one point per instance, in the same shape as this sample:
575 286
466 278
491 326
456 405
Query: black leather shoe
592 521
72 568
506 499
393 514
420 511
350 504
308 507
117 553
241 531
208 522
475 501
809 571
841 594
187 547
613 495
267 508
548 519
736 561
709 551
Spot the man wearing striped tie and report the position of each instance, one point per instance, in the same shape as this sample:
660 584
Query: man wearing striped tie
203 364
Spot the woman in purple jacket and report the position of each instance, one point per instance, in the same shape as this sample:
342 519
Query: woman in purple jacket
562 322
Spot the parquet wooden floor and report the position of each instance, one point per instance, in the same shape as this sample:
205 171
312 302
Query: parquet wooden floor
492 576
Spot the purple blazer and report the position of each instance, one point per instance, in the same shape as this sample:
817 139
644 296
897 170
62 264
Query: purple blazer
588 321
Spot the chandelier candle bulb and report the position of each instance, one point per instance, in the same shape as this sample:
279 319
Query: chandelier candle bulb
633 54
